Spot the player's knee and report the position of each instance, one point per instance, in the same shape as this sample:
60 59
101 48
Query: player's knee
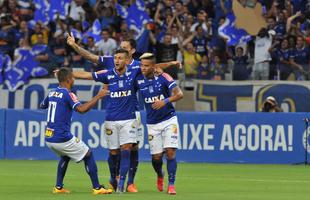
170 153
88 154
157 157
114 151
126 147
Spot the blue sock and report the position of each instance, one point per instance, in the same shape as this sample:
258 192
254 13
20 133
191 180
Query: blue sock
157 165
61 170
112 160
124 166
172 169
91 169
134 162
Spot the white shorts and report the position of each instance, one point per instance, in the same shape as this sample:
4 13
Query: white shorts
163 135
75 148
140 128
120 132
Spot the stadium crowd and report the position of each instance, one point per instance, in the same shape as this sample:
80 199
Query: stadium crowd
184 30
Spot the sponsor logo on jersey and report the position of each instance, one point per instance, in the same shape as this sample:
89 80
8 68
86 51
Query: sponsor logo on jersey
153 99
55 94
49 132
141 81
110 77
117 94
77 140
174 129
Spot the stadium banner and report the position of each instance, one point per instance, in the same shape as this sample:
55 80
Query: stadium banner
248 96
223 137
2 123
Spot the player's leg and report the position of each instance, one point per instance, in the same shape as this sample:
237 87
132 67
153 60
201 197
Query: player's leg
111 135
134 156
92 170
156 149
171 143
113 161
61 172
171 168
134 162
157 163
127 137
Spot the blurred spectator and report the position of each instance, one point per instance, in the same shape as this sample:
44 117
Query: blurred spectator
58 50
166 52
240 69
301 59
77 13
262 57
191 60
106 45
203 68
217 69
40 28
41 51
90 46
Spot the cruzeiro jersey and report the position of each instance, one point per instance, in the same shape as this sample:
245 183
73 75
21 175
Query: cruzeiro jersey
151 90
108 62
121 104
60 103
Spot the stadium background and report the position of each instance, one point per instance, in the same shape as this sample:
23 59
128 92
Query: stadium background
219 116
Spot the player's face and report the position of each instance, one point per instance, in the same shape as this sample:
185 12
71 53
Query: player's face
120 61
147 67
126 45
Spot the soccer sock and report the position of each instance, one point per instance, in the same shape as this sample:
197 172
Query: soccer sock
134 161
125 163
118 164
61 170
157 165
172 169
91 169
113 162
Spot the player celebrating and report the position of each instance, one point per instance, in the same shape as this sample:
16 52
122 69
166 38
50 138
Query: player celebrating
108 62
120 122
163 130
60 103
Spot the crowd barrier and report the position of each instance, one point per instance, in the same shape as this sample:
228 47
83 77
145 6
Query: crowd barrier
221 137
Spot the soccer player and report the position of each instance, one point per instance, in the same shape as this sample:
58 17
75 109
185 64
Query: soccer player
60 103
120 122
158 92
108 62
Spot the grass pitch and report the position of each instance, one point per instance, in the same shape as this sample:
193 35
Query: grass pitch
35 179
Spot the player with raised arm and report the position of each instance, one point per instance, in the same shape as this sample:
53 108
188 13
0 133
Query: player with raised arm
158 92
120 121
108 62
60 103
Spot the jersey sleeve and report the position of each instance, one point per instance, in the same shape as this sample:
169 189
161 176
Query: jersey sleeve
106 62
169 81
73 100
44 103
101 76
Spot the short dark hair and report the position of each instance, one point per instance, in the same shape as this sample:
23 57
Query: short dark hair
132 43
63 74
122 51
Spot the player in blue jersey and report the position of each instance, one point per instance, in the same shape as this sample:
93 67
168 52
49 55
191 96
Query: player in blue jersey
158 92
60 103
108 63
120 122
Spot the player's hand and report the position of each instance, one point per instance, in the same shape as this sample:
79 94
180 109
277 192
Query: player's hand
55 72
102 93
70 39
158 104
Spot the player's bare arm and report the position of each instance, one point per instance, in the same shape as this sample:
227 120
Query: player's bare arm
177 94
83 52
83 108
82 75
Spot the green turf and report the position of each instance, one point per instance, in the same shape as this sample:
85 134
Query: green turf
23 180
